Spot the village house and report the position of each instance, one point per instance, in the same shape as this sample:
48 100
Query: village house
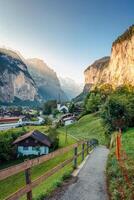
68 119
5 120
62 108
33 143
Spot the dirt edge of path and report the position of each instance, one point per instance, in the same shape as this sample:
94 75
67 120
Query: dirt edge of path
59 191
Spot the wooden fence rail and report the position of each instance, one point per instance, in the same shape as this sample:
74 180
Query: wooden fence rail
26 167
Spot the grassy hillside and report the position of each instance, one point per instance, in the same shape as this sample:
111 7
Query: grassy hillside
87 127
115 176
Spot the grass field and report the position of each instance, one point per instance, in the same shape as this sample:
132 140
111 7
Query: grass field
87 127
115 177
26 129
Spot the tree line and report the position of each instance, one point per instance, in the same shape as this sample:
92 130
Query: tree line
115 106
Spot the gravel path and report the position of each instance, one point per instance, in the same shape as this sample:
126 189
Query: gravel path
91 184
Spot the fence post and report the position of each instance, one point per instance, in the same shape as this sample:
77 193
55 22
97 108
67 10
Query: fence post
87 148
75 157
28 181
83 148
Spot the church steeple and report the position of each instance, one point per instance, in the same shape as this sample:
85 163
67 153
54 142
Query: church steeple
59 99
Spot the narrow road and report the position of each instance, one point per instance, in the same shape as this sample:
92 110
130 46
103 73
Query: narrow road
17 124
91 184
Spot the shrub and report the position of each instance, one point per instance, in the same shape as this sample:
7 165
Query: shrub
48 121
49 106
55 112
54 136
7 150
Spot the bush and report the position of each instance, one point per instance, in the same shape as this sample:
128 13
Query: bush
54 136
55 112
7 150
48 121
49 106
72 108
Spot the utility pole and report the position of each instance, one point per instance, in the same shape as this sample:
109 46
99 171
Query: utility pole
66 135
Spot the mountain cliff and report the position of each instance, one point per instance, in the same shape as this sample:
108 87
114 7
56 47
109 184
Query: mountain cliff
27 80
95 74
15 80
116 70
46 80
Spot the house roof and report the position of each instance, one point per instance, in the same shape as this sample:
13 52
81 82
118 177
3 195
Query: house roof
37 135
9 119
67 115
69 118
63 107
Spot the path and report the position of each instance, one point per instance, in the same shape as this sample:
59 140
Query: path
91 184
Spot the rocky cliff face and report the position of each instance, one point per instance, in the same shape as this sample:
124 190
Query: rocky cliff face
121 67
46 80
116 70
95 73
15 80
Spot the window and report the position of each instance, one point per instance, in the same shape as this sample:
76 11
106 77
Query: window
25 148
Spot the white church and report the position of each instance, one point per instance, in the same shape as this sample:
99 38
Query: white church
62 108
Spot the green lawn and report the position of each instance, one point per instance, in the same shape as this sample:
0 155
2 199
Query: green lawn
115 177
87 127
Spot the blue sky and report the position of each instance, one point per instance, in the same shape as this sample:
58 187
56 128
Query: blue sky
68 34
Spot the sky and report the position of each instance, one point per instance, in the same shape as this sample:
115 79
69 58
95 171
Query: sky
67 34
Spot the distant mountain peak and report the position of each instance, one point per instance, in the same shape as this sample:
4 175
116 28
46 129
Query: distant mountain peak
46 79
39 65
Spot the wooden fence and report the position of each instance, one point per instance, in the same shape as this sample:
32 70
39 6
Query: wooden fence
27 165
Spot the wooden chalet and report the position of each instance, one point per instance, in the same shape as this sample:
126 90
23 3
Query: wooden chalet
33 143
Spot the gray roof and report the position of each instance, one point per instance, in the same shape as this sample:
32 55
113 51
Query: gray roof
37 135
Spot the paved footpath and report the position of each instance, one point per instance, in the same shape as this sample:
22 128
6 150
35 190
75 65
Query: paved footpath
91 184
